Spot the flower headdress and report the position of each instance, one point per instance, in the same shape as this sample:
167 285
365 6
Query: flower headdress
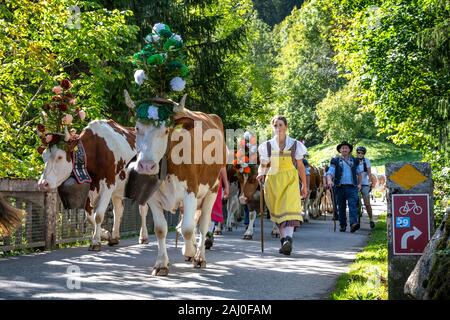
161 71
246 156
58 115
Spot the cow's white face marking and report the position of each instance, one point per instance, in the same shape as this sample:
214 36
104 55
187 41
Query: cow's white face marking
151 145
57 169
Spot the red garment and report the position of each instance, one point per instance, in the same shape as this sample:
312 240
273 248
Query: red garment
217 213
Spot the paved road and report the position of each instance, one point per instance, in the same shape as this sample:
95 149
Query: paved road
236 269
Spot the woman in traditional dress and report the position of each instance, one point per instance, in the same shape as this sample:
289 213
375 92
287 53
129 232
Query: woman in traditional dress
217 210
280 166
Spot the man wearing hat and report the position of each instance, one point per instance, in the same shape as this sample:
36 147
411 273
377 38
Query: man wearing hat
345 174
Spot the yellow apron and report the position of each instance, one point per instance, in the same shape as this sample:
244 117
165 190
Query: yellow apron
281 189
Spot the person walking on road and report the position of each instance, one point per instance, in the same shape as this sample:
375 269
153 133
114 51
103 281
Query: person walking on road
344 173
280 166
366 182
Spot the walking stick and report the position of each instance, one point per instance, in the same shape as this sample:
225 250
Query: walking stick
334 207
261 211
360 208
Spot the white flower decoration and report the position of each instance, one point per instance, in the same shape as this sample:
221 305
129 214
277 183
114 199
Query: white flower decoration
247 135
149 38
155 38
177 37
139 77
177 84
153 113
158 27
244 165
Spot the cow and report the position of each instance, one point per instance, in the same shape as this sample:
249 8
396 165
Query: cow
108 147
233 207
250 195
378 184
194 184
312 202
10 217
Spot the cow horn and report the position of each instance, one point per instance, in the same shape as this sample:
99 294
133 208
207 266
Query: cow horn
66 134
130 103
179 107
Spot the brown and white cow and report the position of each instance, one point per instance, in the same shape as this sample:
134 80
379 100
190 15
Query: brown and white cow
312 202
189 180
108 147
378 184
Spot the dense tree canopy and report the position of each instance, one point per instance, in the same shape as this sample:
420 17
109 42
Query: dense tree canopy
338 69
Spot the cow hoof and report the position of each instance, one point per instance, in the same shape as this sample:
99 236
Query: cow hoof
160 272
208 243
113 242
275 235
95 247
248 237
199 264
230 229
188 259
218 233
143 241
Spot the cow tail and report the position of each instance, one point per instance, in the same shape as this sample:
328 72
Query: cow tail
10 217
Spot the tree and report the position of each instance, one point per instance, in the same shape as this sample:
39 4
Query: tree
273 12
305 70
39 45
397 53
342 118
215 36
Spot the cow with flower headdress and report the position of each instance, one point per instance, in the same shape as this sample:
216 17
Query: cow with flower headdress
87 168
245 165
183 149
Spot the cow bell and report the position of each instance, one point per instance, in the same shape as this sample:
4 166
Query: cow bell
140 187
73 194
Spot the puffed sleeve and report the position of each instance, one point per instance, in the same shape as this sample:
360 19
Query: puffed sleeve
262 150
300 151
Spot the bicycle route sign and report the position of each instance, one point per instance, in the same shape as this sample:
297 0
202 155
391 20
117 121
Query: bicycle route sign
411 223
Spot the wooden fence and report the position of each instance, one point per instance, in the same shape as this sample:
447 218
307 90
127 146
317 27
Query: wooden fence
47 223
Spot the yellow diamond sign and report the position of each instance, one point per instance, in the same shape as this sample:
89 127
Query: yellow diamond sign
408 177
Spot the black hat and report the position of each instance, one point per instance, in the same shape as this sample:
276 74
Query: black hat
344 143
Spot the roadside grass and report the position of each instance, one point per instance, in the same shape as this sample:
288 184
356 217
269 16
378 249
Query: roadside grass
367 277
379 153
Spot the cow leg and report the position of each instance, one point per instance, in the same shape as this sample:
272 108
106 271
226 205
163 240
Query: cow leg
118 212
143 235
161 267
205 220
105 234
230 217
275 231
218 230
188 225
248 235
99 214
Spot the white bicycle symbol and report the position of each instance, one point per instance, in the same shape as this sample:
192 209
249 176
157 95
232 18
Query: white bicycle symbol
411 206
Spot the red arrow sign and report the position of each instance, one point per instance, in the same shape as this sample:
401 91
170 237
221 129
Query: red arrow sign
411 223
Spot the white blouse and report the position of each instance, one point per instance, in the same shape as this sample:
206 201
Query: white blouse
299 152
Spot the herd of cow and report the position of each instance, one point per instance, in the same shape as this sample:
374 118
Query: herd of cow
113 152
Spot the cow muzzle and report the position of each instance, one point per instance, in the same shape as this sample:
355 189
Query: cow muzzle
148 167
43 185
243 199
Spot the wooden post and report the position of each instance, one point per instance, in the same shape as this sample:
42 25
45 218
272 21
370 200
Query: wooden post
50 210
412 179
